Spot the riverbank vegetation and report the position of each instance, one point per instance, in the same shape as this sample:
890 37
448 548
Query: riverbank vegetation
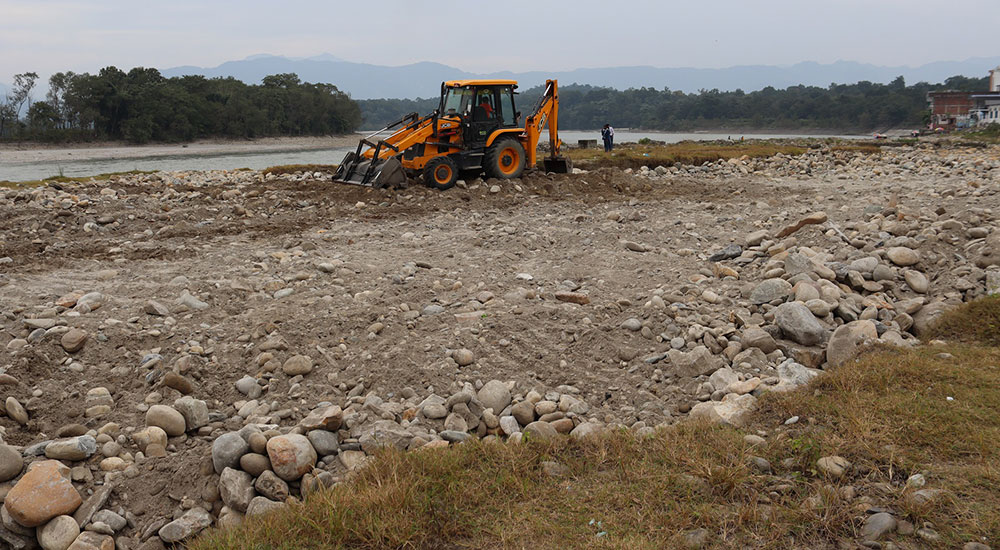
143 106
860 107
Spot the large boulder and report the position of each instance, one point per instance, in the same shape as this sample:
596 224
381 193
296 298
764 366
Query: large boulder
770 290
697 362
756 337
846 340
926 318
292 456
733 409
43 493
227 449
799 324
792 375
494 395
236 488
384 433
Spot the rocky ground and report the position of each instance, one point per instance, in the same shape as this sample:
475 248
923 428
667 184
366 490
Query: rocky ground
182 349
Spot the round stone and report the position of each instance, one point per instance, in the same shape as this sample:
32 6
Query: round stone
292 456
167 418
58 533
11 462
464 357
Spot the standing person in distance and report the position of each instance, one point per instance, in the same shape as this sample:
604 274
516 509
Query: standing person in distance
608 135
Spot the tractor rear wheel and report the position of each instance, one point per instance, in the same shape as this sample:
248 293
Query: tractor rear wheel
504 159
441 173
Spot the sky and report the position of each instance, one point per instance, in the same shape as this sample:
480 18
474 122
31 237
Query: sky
84 35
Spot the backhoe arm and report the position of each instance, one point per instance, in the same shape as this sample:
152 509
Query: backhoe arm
546 112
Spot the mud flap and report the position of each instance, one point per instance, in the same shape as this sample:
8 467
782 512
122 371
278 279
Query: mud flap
558 165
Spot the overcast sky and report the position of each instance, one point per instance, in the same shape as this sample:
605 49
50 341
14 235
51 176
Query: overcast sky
479 36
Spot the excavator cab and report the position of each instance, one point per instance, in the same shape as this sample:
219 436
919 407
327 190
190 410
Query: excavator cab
483 109
475 130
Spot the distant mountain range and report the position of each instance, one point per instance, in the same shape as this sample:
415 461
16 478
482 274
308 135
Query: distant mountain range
366 81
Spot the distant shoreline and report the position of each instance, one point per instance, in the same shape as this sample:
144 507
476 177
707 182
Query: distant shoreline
28 152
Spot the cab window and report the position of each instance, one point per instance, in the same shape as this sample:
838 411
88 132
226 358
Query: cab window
458 100
507 106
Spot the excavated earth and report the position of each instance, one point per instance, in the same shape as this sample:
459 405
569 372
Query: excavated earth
184 283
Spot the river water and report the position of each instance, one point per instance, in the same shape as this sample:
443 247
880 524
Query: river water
256 160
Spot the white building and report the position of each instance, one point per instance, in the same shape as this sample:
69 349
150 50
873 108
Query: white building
995 80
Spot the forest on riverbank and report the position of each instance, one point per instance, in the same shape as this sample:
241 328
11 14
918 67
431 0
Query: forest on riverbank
860 107
143 106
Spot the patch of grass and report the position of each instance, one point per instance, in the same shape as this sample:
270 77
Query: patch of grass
66 179
988 134
687 152
888 413
292 168
977 321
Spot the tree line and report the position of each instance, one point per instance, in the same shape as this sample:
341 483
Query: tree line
860 107
142 106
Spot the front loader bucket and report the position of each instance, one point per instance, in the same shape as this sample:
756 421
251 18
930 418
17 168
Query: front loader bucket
558 165
357 170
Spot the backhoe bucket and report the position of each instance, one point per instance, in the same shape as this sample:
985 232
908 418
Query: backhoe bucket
558 165
357 170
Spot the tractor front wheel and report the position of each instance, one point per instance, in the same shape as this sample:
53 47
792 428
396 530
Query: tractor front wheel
441 173
505 159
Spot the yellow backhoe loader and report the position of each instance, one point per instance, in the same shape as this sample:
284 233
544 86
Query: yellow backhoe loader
476 129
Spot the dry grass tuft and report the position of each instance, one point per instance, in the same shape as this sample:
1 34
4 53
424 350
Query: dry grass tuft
977 321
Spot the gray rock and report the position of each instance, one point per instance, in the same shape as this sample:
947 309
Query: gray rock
494 395
509 425
902 256
846 340
16 411
917 281
271 486
928 315
799 324
833 466
194 411
541 431
236 488
385 433
697 362
191 523
792 375
770 290
260 506
227 450
454 436
11 462
325 442
877 526
298 364
113 520
249 387
728 253
524 412
632 324
587 429
756 337
72 448
435 411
